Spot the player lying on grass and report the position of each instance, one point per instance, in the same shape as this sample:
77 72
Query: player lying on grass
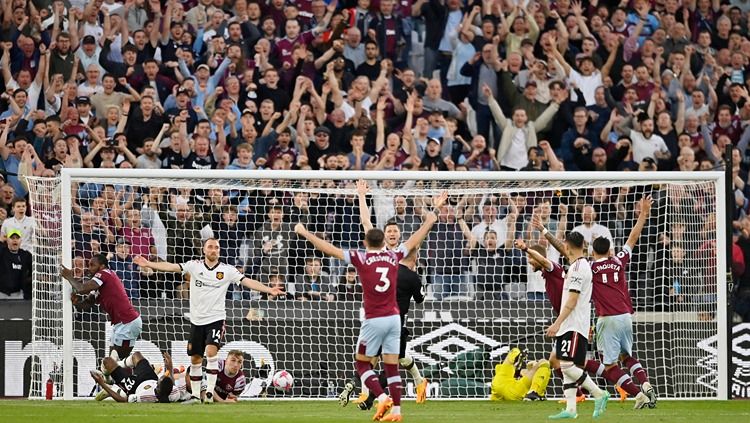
409 285
142 384
514 378
230 381
378 270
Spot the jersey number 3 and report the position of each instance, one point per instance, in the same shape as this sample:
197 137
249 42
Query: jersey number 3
385 283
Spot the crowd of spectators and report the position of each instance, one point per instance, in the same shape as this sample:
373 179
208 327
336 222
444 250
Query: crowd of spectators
440 85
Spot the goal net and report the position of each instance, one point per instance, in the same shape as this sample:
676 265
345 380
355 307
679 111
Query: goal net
482 297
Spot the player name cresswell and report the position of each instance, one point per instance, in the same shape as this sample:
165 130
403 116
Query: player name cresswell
375 259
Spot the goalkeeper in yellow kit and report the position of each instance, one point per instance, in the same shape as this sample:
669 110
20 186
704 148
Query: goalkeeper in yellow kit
514 378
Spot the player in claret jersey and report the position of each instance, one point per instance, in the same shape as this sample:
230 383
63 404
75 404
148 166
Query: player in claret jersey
409 286
231 380
209 281
614 324
554 279
378 270
105 288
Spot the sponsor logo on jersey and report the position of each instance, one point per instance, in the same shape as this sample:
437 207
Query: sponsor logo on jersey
219 275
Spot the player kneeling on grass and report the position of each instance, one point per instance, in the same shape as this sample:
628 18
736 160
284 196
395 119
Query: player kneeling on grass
516 380
142 384
230 381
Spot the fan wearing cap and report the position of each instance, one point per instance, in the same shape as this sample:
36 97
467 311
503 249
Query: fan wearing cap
182 97
526 99
205 83
589 78
519 134
85 115
320 147
130 65
538 72
15 266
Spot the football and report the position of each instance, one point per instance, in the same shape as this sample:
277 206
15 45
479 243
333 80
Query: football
282 380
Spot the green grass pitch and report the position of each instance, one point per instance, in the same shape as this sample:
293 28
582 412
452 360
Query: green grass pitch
329 411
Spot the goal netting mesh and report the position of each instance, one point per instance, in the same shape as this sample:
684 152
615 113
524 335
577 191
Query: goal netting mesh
482 297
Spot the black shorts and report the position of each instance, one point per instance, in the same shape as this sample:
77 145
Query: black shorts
130 381
200 336
405 334
571 346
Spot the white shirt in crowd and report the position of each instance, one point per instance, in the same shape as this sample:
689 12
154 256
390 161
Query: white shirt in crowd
646 147
27 226
593 231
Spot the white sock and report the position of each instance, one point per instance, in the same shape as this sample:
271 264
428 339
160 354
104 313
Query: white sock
646 387
195 385
592 387
127 362
212 371
382 397
396 409
571 374
410 366
365 389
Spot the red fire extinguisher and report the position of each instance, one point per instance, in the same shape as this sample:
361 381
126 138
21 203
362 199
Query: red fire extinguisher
49 387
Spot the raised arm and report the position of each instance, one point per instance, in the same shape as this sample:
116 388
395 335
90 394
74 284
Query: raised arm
429 220
5 62
364 209
521 245
161 266
549 236
635 233
321 245
380 124
497 112
472 240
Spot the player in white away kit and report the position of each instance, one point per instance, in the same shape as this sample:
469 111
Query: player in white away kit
140 383
614 309
209 282
378 270
570 329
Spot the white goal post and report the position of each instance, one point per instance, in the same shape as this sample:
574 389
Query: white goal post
473 313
